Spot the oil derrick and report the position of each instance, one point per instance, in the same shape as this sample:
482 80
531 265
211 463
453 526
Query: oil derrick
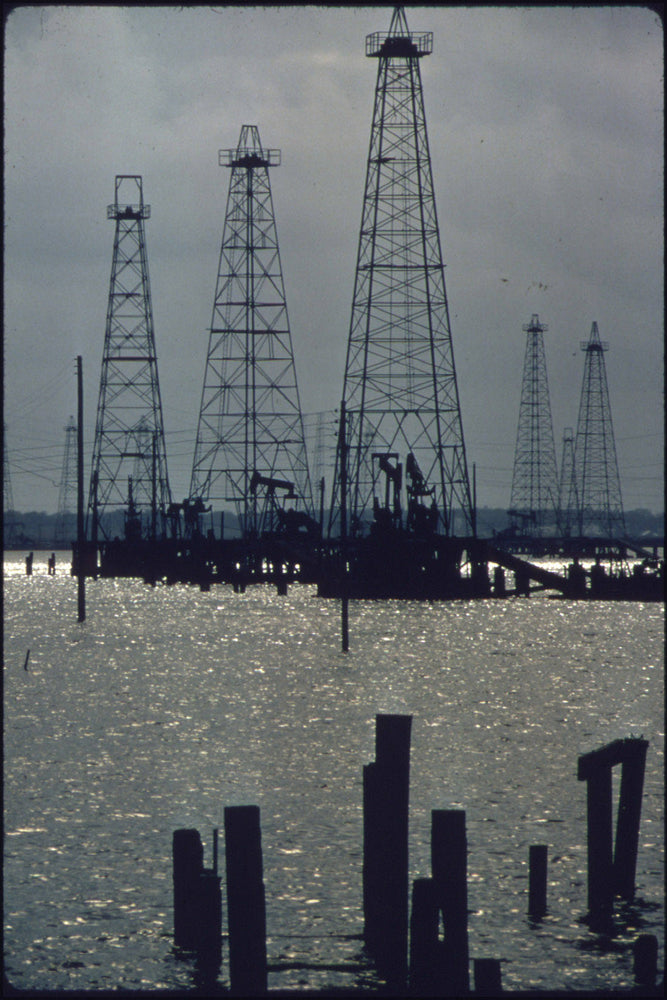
11 527
250 450
400 390
600 507
129 463
534 499
65 529
568 506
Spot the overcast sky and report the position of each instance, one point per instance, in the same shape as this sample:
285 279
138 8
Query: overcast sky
546 136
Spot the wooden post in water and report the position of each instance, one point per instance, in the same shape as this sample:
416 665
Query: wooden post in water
386 802
425 946
80 527
645 954
449 864
344 596
246 908
187 862
607 874
488 979
627 823
537 880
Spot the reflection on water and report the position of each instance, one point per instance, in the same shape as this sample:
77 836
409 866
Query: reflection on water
168 704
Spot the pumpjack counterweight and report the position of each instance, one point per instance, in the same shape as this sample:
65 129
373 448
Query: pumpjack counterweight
600 505
250 437
534 498
400 389
129 463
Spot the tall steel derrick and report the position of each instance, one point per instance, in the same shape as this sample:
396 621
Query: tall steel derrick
600 507
250 450
129 463
67 495
400 391
534 497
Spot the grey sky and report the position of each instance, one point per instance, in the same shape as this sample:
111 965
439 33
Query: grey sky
546 135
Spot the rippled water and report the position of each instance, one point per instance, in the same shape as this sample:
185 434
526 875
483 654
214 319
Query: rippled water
169 704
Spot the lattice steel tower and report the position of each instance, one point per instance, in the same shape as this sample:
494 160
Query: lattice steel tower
534 498
598 482
250 437
129 463
65 529
568 505
400 390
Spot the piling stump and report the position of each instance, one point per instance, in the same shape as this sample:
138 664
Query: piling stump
425 945
387 842
449 859
209 930
646 959
629 813
246 908
609 874
488 979
537 880
187 862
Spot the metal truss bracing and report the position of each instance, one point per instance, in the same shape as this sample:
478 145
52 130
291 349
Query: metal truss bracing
250 437
400 390
67 497
129 464
600 509
534 498
568 505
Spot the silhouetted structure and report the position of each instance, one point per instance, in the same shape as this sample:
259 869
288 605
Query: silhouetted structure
129 463
250 450
11 527
534 498
65 528
400 388
600 507
568 506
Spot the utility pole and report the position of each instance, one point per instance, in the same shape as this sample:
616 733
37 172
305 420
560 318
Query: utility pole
80 529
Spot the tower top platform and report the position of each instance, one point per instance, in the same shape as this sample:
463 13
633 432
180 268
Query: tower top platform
128 187
399 42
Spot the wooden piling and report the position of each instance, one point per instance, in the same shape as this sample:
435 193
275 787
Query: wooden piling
537 880
449 859
246 908
187 862
645 951
600 885
209 924
629 812
372 843
425 945
488 978
607 874
385 865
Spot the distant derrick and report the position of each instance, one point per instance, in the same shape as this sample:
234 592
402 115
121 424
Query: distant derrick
534 499
129 464
400 389
250 450
600 507
65 528
568 505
